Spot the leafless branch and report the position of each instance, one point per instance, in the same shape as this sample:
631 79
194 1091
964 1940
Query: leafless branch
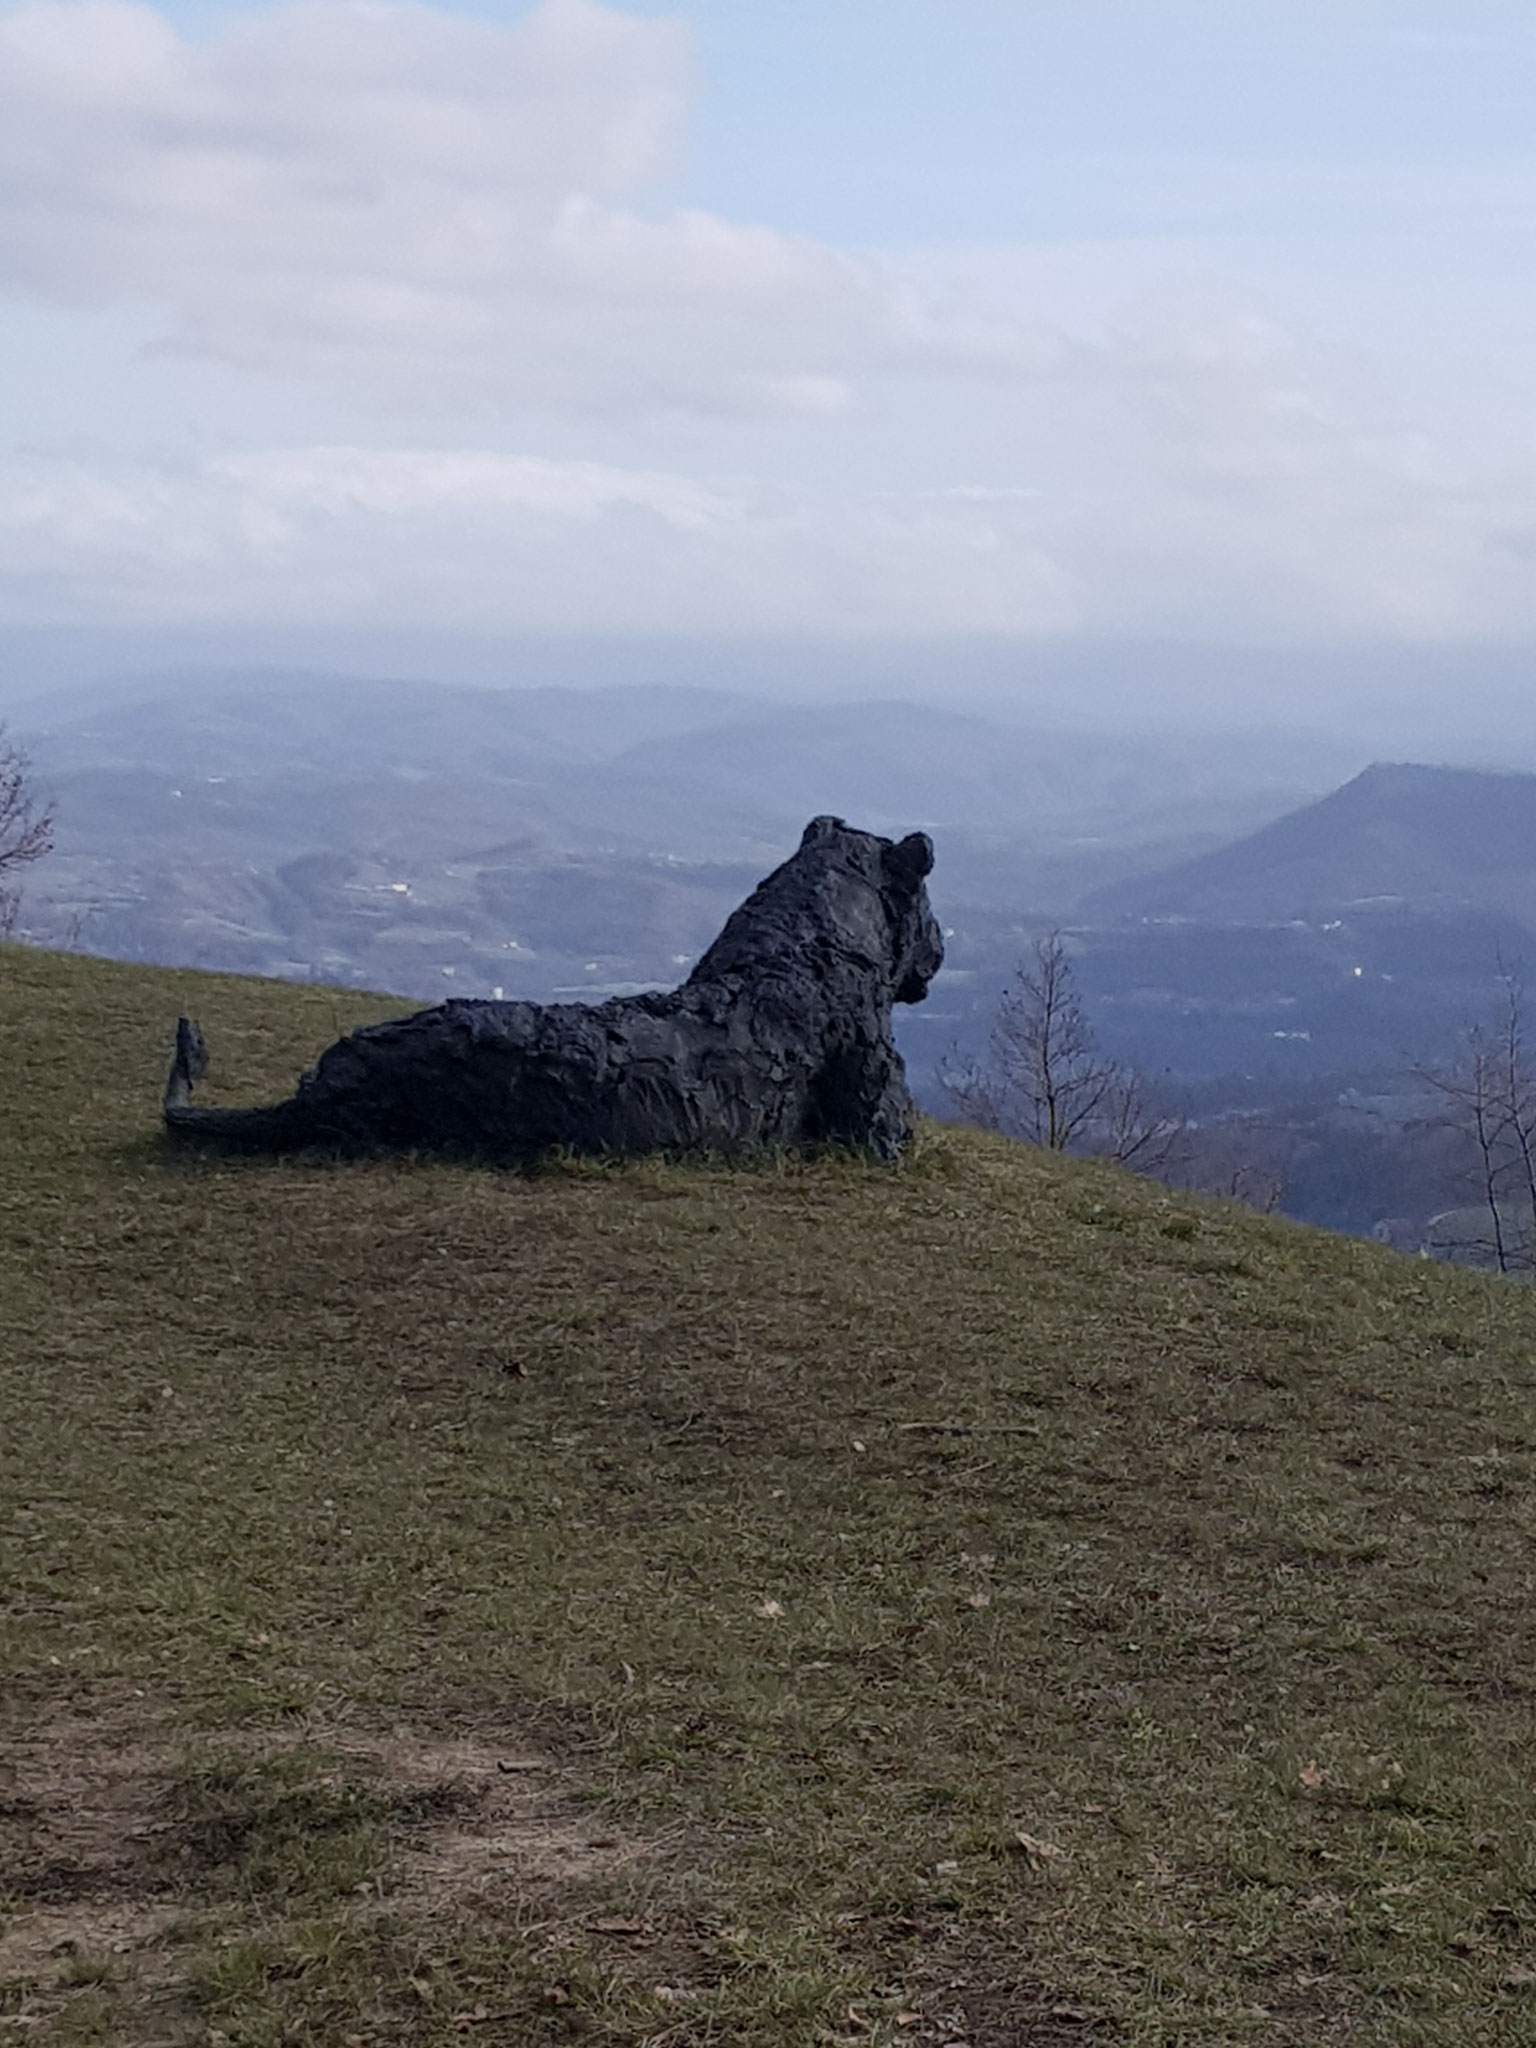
26 827
1045 1079
1486 1099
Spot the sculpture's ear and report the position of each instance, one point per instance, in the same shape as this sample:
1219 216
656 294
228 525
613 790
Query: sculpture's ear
821 828
910 859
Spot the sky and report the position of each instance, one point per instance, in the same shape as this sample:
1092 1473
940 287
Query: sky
1034 320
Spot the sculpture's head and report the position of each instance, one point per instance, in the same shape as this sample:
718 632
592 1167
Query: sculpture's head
898 869
919 945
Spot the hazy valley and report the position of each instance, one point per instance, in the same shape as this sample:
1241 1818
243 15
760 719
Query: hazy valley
414 836
1270 929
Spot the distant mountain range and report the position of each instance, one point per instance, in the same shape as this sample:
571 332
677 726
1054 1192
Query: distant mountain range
421 838
1264 935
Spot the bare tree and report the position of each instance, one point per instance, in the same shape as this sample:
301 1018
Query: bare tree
1045 1080
26 828
1248 1159
1518 1084
1487 1101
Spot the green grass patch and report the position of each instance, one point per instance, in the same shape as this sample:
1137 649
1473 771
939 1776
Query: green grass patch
992 1601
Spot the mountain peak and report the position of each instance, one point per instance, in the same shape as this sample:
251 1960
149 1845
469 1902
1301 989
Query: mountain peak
1398 833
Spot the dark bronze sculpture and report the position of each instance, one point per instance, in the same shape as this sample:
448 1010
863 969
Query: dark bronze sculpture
781 1036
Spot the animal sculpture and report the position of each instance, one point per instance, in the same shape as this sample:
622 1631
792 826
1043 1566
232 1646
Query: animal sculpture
780 1037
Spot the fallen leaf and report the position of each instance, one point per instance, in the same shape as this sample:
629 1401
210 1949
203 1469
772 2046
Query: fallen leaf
555 1994
770 1608
979 1600
1310 1775
909 2019
1038 1851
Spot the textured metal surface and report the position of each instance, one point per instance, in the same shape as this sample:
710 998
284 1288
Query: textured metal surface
781 1036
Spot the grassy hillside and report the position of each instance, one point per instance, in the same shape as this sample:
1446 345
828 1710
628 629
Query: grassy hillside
992 1602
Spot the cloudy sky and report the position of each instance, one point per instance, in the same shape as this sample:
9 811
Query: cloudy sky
1205 319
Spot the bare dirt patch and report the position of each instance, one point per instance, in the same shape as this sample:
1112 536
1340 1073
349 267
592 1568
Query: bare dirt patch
484 1824
81 1894
126 1848
78 1823
45 1948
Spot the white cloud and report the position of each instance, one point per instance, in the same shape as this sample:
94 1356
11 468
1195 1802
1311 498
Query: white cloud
377 201
1277 486
1249 508
434 537
338 483
436 209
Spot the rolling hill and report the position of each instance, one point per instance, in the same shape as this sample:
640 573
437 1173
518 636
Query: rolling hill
995 1600
1350 938
435 839
1438 841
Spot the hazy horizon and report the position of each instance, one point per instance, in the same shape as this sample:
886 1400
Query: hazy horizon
1468 705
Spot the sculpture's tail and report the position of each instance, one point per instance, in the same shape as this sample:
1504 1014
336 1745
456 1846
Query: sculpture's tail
280 1128
187 1067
